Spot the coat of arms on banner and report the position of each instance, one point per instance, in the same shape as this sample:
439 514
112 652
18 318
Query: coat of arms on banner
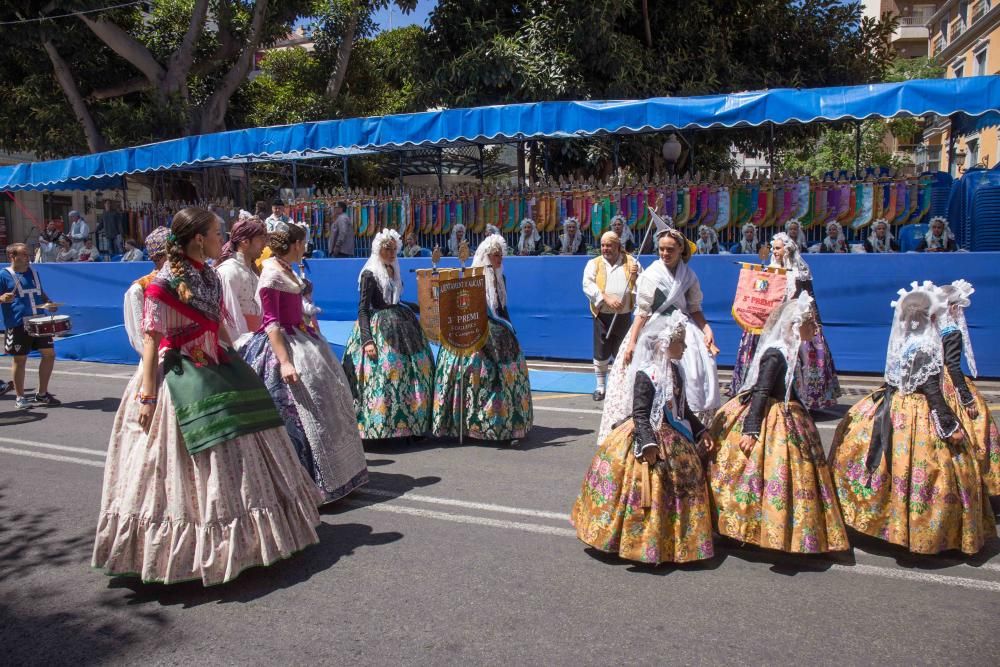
759 291
464 326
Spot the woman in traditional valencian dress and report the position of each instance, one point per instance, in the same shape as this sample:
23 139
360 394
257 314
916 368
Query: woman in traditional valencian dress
201 480
960 392
819 386
135 295
388 360
497 395
644 496
668 284
769 479
905 471
305 380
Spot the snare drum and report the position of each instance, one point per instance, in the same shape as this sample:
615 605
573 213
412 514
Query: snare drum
48 325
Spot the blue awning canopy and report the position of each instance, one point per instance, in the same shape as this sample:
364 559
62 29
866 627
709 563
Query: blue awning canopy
973 102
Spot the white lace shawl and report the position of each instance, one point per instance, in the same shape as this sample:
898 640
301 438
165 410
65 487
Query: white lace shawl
392 287
915 351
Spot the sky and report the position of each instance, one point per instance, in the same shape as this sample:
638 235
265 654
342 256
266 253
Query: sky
398 20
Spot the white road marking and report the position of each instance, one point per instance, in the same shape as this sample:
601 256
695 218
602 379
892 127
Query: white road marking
53 457
31 369
464 518
486 507
545 408
62 448
925 577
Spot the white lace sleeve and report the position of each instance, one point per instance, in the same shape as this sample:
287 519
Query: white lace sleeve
133 316
645 292
694 297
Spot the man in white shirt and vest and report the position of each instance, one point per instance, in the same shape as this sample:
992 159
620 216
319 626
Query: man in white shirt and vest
609 283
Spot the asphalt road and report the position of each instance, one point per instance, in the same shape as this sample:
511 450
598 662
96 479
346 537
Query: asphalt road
454 555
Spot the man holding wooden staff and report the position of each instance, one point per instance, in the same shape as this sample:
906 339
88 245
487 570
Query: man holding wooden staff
609 283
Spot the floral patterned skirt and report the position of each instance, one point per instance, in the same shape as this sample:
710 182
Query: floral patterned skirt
608 513
169 516
317 410
982 431
744 355
928 498
392 395
818 387
781 496
497 394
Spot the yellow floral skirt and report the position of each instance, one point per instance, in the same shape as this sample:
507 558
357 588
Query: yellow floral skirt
781 496
928 498
609 516
982 431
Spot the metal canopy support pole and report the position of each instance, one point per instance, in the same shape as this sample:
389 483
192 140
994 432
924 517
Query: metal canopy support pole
857 149
295 181
480 147
347 182
951 144
521 175
770 148
614 154
440 153
400 154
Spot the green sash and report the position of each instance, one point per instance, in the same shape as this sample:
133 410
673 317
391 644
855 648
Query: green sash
214 404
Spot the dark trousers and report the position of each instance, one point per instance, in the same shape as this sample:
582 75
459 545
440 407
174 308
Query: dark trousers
607 337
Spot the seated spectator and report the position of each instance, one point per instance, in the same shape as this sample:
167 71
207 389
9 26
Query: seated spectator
794 230
834 240
66 252
571 240
938 238
530 241
410 246
749 244
132 251
88 253
708 241
455 240
48 243
624 232
881 239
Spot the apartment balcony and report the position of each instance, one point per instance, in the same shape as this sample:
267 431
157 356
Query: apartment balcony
958 26
940 44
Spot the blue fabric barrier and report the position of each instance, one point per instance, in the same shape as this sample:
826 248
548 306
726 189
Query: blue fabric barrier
550 312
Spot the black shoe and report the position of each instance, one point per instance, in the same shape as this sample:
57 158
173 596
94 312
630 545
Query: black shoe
598 395
47 400
6 387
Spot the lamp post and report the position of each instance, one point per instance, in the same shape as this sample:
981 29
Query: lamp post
671 152
960 155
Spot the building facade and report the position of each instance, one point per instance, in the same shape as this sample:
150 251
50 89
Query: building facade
964 37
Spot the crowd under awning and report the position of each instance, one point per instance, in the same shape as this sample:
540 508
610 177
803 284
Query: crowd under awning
971 103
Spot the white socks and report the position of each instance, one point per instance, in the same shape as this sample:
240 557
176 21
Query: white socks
601 373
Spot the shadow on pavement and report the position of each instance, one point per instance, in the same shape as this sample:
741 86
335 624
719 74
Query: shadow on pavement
907 559
29 632
15 417
382 487
336 542
107 404
661 570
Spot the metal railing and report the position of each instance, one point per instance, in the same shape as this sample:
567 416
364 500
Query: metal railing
939 44
957 27
979 10
915 20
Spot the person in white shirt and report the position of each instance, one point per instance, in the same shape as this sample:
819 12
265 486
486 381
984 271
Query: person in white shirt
132 251
66 252
88 253
79 230
48 243
237 271
609 283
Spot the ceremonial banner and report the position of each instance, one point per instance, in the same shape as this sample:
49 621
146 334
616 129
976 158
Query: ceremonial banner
426 288
462 310
760 290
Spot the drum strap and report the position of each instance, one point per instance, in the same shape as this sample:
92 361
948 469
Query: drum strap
30 293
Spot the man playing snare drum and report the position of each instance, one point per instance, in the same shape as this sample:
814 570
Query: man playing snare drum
21 296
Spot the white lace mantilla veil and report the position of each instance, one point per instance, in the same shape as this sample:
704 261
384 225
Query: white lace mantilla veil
957 295
527 243
705 247
577 238
781 332
885 244
915 352
654 361
793 262
392 287
453 239
626 230
496 290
